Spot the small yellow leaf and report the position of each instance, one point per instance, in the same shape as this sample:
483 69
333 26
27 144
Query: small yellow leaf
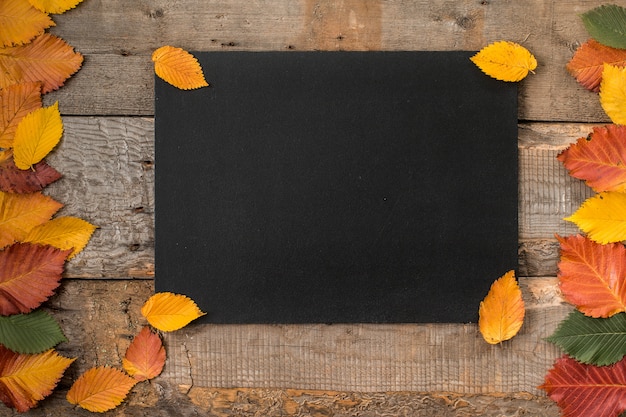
100 389
613 93
168 312
54 6
63 233
505 61
501 313
20 22
178 67
602 217
36 135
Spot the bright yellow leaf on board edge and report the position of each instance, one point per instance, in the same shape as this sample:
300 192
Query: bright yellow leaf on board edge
613 93
36 135
505 61
602 217
501 313
168 312
178 67
63 233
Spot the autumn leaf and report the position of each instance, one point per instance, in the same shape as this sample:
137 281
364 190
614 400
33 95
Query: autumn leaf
27 379
145 357
168 312
501 313
64 233
55 6
100 389
178 67
592 276
505 61
16 101
588 62
36 135
607 25
602 217
20 22
587 390
15 180
19 213
34 332
613 93
599 158
47 59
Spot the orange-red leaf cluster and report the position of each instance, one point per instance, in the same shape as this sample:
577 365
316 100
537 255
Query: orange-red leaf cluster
588 62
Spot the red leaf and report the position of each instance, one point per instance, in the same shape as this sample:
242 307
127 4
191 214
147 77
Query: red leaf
145 357
599 158
587 390
588 61
592 276
29 274
15 180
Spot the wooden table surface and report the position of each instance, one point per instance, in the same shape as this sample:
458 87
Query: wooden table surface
107 158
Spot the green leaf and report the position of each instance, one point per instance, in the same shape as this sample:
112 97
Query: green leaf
607 25
30 333
596 341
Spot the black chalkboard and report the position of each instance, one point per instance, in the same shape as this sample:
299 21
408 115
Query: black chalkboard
326 187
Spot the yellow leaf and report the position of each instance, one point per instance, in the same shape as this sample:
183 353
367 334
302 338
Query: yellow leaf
54 6
501 313
27 379
20 22
36 135
100 389
602 217
16 101
613 93
63 233
505 61
168 312
20 213
178 67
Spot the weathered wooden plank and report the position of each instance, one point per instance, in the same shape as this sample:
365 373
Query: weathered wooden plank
118 37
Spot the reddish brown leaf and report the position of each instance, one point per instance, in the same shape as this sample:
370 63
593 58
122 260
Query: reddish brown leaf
592 276
587 390
145 357
599 158
29 274
47 59
588 61
16 101
15 180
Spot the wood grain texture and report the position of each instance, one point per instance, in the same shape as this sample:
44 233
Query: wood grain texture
117 38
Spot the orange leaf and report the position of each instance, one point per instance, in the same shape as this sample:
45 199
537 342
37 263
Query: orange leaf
15 180
145 357
100 389
588 61
21 22
501 313
27 379
29 274
16 101
178 67
592 276
55 6
168 312
19 213
599 159
47 59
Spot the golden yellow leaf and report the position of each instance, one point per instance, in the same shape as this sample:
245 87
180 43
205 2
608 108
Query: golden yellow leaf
501 313
54 6
178 67
27 379
505 61
100 389
613 93
16 101
168 312
20 213
21 22
36 135
63 233
602 217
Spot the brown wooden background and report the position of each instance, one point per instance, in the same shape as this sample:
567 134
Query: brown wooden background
107 158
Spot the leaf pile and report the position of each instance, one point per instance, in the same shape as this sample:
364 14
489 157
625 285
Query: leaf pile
590 378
